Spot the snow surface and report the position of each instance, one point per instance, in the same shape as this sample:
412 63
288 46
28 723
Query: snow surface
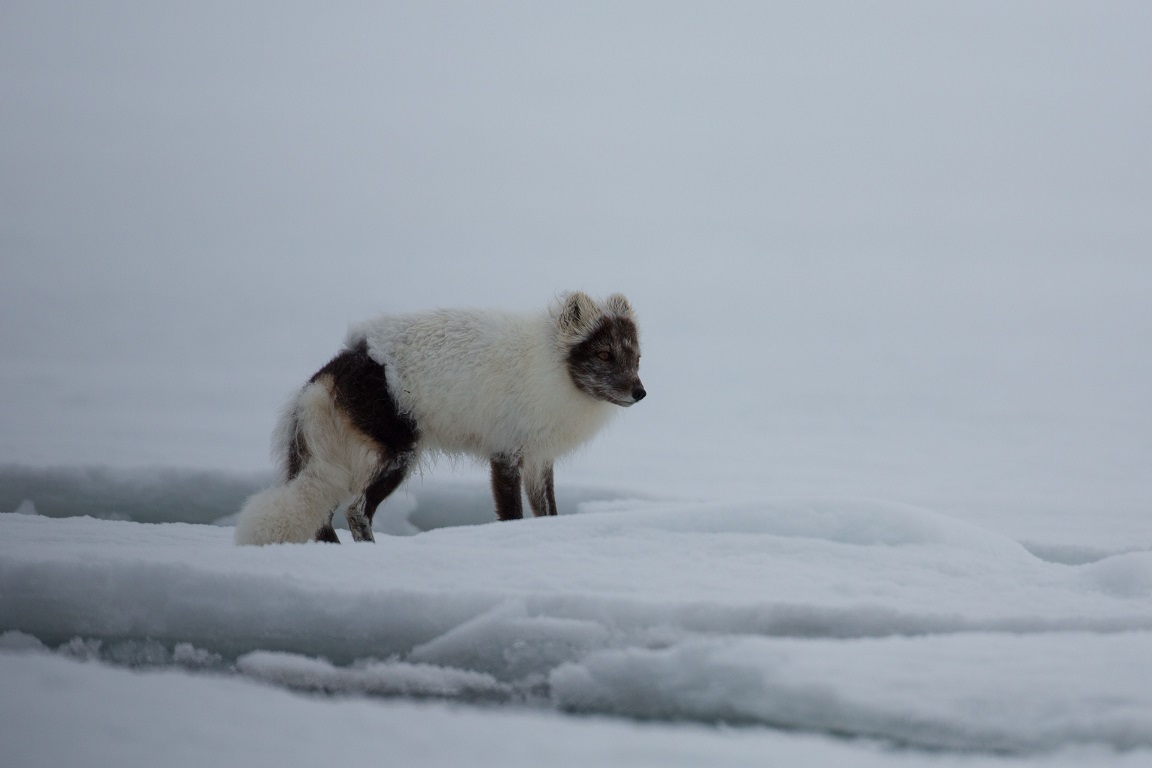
56 712
888 499
881 622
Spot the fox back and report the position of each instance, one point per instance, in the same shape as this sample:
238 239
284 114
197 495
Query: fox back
486 383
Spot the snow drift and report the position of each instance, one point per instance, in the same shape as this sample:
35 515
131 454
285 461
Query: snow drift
839 616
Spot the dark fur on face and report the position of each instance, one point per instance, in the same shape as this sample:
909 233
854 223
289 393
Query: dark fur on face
606 364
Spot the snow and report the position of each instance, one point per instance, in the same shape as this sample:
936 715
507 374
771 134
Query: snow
969 691
190 721
890 624
378 678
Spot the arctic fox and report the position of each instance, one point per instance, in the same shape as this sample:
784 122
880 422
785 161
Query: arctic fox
517 390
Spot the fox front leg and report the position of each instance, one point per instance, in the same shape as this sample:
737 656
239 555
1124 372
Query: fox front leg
506 487
542 491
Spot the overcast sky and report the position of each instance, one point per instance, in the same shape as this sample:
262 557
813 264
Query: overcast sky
197 198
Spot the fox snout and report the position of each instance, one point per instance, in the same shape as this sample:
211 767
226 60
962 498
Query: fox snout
638 393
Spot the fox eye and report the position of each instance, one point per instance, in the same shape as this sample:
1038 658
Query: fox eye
605 355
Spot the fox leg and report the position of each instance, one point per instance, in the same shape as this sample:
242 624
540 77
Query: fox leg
506 487
541 491
358 522
386 482
327 532
363 509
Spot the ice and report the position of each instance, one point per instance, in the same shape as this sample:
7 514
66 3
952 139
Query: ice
1123 575
391 678
56 712
511 644
863 618
149 496
13 640
1008 692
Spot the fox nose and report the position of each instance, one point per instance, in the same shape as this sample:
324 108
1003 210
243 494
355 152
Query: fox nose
638 393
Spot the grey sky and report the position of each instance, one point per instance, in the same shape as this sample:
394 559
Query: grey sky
195 199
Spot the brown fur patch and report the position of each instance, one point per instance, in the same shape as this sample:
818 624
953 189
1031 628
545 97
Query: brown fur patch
359 387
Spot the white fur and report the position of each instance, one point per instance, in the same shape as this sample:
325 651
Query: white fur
477 382
341 464
485 383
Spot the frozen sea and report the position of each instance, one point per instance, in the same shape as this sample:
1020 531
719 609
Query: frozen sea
888 501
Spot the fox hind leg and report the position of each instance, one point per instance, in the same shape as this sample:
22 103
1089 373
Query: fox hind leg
327 533
358 522
363 509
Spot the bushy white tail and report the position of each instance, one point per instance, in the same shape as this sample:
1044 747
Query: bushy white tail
339 466
291 513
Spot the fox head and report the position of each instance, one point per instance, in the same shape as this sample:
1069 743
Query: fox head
602 346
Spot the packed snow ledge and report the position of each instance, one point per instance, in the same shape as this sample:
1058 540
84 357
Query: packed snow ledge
850 617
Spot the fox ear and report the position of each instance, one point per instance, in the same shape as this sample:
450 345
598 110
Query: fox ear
618 305
577 315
